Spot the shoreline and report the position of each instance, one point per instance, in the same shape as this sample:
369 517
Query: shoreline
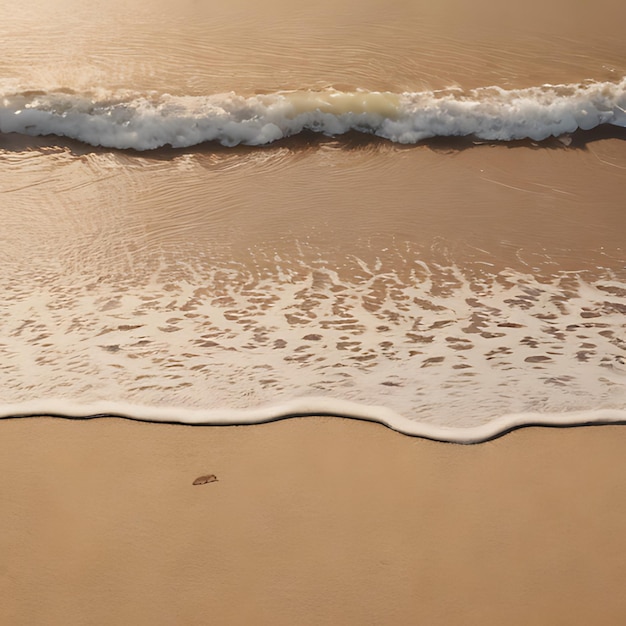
315 407
317 520
458 281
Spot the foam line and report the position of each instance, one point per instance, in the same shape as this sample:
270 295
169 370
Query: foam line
312 406
126 120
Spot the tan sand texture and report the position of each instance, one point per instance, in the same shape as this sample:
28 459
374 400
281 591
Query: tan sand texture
107 260
309 521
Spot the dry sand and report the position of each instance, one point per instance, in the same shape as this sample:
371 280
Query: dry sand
310 521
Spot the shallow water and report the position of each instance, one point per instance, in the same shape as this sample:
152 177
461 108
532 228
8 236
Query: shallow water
450 282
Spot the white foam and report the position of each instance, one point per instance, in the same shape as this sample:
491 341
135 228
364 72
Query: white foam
128 120
310 407
431 354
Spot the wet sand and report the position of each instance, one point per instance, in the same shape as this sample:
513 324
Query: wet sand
115 265
438 281
310 521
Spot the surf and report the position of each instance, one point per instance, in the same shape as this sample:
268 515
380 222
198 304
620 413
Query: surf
132 121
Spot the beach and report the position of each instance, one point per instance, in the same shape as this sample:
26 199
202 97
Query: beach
230 228
310 521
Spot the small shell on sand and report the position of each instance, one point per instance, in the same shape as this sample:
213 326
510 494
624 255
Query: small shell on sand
203 480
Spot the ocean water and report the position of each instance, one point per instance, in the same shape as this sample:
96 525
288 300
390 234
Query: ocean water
230 213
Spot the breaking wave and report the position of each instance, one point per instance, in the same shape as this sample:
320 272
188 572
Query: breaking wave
126 120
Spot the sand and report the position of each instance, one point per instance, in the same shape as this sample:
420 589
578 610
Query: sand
310 521
109 257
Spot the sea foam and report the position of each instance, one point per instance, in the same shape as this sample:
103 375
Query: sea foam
127 120
312 406
439 355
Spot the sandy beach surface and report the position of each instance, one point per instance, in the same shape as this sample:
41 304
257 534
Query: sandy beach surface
452 282
310 521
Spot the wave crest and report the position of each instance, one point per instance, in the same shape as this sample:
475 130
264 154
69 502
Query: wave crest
126 120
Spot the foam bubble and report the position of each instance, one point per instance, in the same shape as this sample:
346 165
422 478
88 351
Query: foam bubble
431 350
142 122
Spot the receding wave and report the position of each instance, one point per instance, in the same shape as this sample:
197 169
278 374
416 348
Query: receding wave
127 120
485 355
